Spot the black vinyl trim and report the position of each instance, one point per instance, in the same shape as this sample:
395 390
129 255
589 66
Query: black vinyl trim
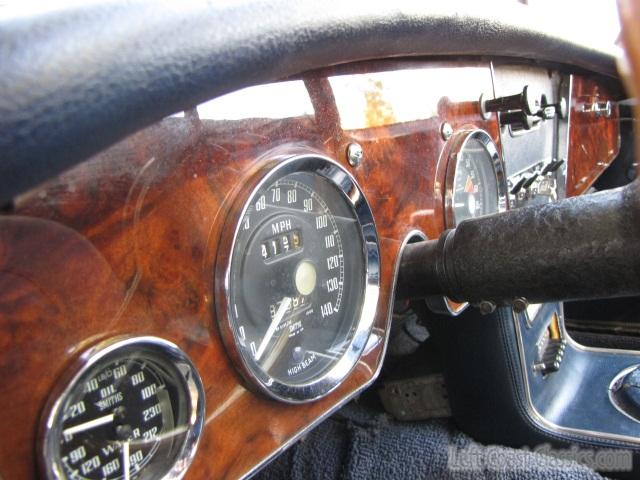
487 391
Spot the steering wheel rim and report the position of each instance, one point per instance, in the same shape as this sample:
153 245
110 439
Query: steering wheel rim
92 73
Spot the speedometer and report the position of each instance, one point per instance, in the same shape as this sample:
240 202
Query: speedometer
298 271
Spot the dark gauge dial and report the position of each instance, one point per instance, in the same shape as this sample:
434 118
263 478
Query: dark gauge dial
301 280
133 410
476 184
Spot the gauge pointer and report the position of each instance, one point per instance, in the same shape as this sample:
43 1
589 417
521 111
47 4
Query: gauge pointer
277 318
89 425
125 460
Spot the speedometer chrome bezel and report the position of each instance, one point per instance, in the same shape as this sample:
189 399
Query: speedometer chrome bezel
51 425
458 143
329 380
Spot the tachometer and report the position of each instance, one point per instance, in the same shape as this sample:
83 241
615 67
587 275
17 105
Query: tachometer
298 279
132 408
476 184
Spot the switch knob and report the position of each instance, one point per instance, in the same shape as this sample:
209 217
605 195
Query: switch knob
526 101
518 120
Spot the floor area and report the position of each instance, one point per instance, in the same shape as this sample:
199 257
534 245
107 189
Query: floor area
359 442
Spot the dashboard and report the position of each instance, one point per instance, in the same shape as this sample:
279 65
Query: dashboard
215 285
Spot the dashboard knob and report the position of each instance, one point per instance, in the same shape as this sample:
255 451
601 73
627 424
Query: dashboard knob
527 101
518 120
551 110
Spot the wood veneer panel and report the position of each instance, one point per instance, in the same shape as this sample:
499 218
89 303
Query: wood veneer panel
594 141
126 243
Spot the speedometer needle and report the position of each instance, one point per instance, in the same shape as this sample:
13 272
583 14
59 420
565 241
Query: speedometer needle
89 425
277 318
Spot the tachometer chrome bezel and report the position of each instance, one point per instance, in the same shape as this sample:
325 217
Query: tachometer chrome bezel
329 380
51 424
458 143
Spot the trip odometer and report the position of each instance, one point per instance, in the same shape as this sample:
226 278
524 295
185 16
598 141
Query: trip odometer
298 279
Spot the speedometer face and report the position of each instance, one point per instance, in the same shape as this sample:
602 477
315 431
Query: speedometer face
134 411
303 266
476 188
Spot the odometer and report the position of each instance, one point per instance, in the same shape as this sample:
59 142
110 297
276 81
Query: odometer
300 275
131 409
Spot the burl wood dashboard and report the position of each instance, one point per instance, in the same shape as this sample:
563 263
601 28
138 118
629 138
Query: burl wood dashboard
126 243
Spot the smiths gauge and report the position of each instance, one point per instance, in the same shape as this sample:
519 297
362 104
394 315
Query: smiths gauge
476 184
298 279
132 408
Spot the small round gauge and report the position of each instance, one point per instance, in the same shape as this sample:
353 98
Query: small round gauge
476 183
475 186
299 279
131 408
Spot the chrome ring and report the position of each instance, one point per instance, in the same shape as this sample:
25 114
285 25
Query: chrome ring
336 374
50 429
459 142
